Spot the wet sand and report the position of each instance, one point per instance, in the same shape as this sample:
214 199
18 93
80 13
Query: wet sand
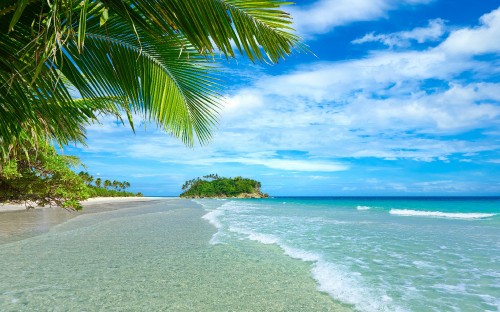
16 222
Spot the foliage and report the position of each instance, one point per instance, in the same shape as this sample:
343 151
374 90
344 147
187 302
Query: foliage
43 178
102 192
40 177
151 57
108 188
215 186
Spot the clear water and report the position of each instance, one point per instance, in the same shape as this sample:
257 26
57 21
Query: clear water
150 257
379 254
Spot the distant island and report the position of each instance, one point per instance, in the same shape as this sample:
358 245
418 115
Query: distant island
213 186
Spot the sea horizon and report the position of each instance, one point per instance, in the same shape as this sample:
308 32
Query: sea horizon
354 196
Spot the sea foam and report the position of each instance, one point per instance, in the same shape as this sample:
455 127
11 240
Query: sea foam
349 287
340 284
212 218
439 214
363 208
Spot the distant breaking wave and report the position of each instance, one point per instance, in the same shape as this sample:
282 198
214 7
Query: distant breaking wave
439 214
363 208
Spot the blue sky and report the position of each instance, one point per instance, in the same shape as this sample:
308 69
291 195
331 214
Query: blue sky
399 98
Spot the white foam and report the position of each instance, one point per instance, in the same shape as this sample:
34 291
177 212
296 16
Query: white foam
212 218
439 214
363 208
263 238
339 284
266 239
300 254
348 287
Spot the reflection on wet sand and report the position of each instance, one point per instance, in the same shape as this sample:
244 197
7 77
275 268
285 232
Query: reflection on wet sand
20 224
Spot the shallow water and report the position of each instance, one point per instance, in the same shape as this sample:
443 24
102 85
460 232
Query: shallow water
392 254
153 258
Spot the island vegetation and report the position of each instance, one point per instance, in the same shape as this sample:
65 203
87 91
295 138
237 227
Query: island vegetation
215 186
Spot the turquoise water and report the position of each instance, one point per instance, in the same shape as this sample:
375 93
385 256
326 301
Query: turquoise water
379 254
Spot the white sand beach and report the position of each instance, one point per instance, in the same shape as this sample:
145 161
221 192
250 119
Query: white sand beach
86 203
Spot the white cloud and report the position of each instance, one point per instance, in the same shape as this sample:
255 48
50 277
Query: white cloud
432 32
379 106
295 165
324 15
478 40
458 109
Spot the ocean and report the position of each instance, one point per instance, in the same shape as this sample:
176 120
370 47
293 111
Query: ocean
380 254
277 254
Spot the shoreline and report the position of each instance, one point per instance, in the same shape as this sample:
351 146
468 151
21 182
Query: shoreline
17 222
6 207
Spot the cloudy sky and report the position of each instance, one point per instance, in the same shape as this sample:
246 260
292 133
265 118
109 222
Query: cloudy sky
401 97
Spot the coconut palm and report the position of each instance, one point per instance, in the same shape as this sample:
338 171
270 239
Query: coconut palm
126 185
107 183
65 62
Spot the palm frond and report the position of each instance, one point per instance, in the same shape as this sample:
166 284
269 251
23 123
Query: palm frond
142 56
258 28
171 84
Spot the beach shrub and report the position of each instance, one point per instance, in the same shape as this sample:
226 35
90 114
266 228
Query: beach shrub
40 177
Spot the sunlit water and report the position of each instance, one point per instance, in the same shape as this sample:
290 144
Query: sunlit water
150 257
392 254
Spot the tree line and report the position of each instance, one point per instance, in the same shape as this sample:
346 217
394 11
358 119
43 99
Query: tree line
100 183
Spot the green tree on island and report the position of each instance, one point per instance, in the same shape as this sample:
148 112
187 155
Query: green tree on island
214 186
66 62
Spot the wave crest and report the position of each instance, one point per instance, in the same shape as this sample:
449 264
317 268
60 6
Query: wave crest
439 214
363 208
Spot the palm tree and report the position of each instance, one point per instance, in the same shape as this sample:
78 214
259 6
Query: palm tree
107 183
116 185
126 185
64 64
86 177
98 182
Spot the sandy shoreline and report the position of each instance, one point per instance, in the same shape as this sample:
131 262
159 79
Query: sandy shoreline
16 222
86 203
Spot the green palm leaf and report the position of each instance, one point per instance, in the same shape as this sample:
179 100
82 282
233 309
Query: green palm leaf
124 56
